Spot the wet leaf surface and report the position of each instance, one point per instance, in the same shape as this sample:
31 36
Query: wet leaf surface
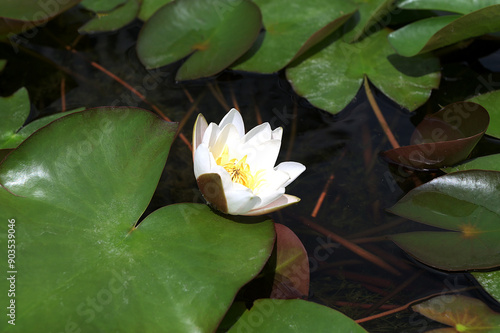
464 204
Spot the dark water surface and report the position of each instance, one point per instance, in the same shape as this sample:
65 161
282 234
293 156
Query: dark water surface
343 148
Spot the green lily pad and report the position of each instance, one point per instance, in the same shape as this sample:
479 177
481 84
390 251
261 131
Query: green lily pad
436 32
464 314
2 64
149 7
490 162
292 27
463 203
276 316
21 15
456 6
370 13
14 112
113 20
82 263
330 78
490 281
491 102
101 5
212 35
444 138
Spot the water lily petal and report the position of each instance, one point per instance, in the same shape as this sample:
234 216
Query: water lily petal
258 134
200 126
228 136
293 169
277 134
241 201
211 134
283 201
270 196
234 117
202 160
262 156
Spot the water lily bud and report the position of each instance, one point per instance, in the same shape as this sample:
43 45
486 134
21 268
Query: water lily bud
235 171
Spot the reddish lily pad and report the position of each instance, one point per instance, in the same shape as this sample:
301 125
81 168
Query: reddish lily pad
212 35
291 278
465 205
463 313
444 138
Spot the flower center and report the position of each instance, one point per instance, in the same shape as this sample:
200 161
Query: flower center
239 170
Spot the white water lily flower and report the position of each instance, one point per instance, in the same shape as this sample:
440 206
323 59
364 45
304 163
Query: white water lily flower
235 171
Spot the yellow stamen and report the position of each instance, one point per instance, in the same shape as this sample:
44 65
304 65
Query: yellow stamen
239 170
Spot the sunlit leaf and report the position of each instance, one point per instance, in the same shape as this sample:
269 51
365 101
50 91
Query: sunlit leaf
291 279
213 35
292 27
491 102
490 162
149 7
76 189
14 111
288 316
456 6
21 15
465 205
443 138
464 314
101 5
490 281
432 33
331 77
113 20
368 18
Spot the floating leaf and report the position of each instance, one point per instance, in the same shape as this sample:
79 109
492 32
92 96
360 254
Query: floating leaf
443 138
214 35
466 205
330 78
275 315
2 64
149 7
463 313
292 27
435 32
490 281
491 102
75 205
114 20
490 162
291 279
456 6
370 13
21 15
101 5
14 111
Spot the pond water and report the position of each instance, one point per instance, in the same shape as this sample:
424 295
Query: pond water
341 153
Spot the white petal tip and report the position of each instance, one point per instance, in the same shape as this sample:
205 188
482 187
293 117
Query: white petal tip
284 201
